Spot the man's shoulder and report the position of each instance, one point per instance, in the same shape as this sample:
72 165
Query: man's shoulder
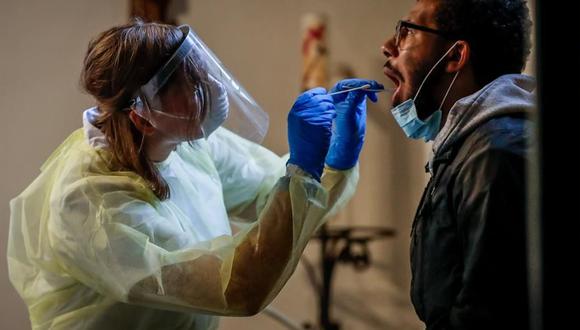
509 134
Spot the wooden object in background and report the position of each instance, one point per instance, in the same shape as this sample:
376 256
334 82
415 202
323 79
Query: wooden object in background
152 10
314 52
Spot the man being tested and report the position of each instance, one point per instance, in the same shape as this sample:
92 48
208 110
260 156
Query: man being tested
456 66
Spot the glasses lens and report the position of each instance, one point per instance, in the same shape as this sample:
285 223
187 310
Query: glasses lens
402 33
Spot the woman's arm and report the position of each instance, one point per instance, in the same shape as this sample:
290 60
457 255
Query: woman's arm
123 247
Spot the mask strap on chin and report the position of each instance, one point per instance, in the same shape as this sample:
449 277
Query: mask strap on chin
433 68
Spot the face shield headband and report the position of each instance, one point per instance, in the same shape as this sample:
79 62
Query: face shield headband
229 103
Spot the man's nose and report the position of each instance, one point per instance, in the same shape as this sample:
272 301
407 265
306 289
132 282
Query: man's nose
389 48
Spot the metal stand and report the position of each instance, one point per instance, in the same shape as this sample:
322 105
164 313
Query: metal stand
347 245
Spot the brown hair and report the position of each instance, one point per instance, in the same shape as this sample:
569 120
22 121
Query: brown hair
117 63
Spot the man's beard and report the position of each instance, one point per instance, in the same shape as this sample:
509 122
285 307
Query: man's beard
426 102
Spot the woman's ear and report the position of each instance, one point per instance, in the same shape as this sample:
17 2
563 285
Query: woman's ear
142 125
458 57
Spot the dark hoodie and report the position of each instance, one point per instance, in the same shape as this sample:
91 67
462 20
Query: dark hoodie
468 252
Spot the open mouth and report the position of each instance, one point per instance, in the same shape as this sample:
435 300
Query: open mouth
395 78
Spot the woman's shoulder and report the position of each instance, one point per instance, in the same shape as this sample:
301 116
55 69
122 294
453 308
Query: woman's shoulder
77 166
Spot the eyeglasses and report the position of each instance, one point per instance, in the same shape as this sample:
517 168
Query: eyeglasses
403 29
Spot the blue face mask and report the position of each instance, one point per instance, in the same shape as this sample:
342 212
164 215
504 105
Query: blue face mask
406 116
406 113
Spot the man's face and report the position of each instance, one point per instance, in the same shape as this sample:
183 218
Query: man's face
409 61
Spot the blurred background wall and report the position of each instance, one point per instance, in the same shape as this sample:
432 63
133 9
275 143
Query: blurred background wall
42 47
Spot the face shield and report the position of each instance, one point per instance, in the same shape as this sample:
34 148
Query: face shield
193 107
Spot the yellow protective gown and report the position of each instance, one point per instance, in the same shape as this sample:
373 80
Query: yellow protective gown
91 248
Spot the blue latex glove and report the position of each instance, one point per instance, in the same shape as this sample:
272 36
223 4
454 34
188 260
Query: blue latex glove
310 129
350 124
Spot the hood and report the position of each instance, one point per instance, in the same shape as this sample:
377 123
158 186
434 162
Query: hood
95 138
508 94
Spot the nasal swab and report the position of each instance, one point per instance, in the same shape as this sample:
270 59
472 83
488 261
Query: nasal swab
365 87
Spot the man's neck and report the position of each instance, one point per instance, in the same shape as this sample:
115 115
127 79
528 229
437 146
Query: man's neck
464 86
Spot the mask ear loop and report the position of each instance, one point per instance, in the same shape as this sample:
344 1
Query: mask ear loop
449 89
433 68
142 142
131 107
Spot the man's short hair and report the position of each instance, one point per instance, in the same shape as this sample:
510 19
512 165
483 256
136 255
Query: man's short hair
498 32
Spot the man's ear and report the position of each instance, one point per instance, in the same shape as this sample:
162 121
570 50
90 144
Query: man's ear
458 57
142 125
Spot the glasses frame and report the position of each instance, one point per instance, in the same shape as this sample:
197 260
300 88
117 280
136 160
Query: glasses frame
409 25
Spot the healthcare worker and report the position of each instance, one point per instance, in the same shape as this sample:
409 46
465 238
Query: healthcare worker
129 224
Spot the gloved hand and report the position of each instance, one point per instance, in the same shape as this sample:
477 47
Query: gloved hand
309 130
350 123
